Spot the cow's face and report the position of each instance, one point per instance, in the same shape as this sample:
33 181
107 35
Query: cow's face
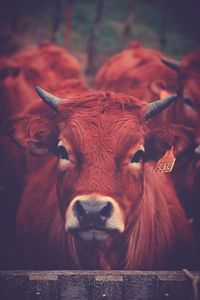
190 104
188 107
100 171
98 140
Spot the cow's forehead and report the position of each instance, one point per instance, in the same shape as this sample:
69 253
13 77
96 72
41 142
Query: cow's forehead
97 115
112 130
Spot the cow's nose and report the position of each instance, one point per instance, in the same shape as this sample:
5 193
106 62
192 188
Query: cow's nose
92 213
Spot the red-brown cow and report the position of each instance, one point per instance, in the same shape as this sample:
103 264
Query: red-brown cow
187 110
92 200
46 64
139 72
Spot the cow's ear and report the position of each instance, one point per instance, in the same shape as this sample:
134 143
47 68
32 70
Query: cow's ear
37 135
158 141
158 86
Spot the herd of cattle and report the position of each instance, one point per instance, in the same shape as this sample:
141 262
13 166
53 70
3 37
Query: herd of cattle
78 185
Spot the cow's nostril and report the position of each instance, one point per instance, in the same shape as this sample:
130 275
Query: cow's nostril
79 209
92 212
107 210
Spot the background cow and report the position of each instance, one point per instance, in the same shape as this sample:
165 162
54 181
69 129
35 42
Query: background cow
187 109
52 66
91 198
139 72
46 64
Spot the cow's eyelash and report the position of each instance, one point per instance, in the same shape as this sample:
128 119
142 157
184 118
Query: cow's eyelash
62 152
138 157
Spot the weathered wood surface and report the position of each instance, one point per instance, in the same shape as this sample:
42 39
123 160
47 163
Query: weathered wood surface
94 285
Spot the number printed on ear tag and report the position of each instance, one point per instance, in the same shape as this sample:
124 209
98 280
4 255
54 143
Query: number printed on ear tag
166 163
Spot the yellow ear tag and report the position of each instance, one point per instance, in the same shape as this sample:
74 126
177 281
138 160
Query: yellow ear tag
166 163
164 94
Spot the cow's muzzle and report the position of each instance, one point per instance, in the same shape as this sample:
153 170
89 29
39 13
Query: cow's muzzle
94 217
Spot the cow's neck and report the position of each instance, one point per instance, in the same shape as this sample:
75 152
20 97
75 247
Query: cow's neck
150 240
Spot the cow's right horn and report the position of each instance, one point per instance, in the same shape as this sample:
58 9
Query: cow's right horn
171 63
156 107
49 99
197 149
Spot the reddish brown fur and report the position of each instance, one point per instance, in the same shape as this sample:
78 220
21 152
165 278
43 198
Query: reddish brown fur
190 86
183 173
137 71
101 128
46 65
49 66
133 71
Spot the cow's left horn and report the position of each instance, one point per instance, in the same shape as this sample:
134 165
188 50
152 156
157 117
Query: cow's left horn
171 63
197 149
157 106
49 99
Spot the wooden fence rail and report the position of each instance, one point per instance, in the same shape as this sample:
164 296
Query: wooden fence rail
95 285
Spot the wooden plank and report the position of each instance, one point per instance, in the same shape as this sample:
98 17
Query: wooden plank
140 287
75 287
43 276
92 285
42 290
108 287
13 287
173 287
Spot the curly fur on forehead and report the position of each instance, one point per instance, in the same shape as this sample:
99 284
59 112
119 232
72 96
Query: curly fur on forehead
100 101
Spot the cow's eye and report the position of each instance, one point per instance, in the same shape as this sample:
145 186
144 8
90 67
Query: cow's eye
188 101
138 157
62 152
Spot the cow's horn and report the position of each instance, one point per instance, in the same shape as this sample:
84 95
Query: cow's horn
197 149
171 63
49 99
155 107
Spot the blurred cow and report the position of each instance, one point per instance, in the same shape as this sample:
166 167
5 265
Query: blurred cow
91 199
187 109
139 72
46 64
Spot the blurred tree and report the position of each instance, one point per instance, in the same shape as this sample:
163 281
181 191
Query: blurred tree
59 9
128 23
91 44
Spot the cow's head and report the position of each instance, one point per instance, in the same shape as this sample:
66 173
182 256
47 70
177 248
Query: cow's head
99 141
188 69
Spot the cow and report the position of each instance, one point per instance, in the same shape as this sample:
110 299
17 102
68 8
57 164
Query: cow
139 72
187 110
91 198
142 73
45 64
